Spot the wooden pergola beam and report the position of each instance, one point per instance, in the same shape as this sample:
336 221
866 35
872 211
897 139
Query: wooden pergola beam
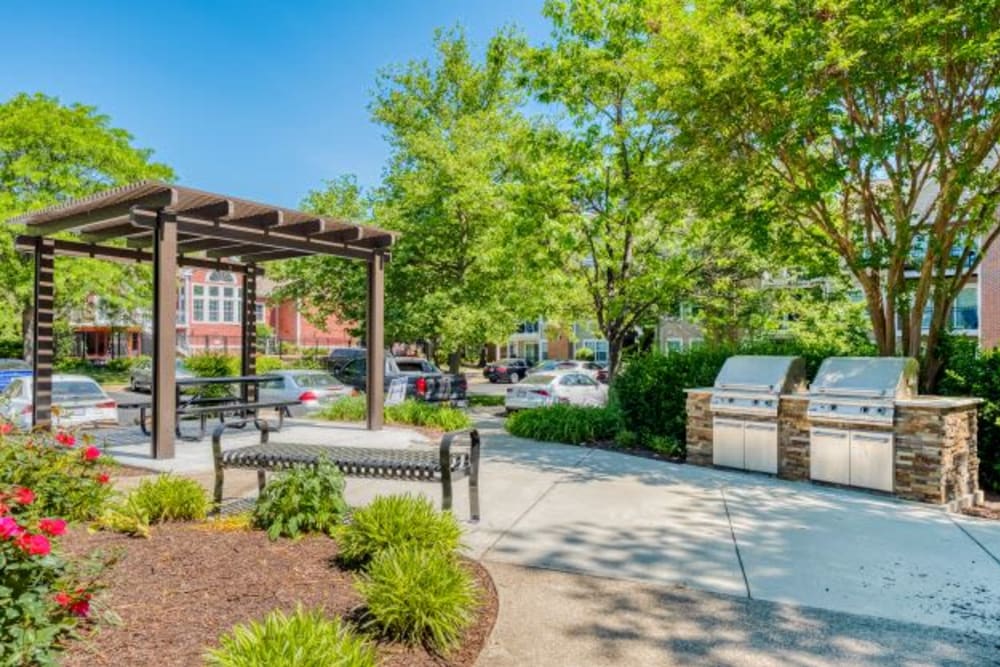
74 249
101 213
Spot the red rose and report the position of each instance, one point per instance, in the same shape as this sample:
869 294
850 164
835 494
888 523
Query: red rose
3 509
52 527
33 545
91 453
65 439
80 608
24 496
9 527
6 428
103 478
62 599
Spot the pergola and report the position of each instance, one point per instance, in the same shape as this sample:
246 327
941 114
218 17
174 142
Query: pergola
171 226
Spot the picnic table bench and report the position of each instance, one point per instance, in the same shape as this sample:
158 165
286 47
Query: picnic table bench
418 465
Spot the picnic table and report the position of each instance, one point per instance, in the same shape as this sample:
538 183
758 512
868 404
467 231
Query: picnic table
197 405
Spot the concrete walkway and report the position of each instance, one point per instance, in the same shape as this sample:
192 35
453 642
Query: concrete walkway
793 566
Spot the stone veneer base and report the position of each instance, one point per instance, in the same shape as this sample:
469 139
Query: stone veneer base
936 456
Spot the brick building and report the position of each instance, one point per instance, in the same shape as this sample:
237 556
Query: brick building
208 312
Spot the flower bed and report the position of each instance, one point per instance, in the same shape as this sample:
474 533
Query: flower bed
179 591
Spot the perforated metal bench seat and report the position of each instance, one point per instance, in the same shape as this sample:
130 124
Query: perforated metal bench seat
417 465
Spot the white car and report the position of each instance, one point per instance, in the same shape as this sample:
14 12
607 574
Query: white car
541 389
316 389
77 400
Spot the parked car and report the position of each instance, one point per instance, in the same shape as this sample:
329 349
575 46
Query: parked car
316 389
545 366
591 368
77 400
507 370
542 389
12 368
340 356
424 381
141 377
602 374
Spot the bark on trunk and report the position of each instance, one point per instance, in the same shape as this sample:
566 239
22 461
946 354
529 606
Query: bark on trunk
27 319
455 363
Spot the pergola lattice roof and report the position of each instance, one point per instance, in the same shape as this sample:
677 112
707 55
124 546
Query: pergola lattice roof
210 227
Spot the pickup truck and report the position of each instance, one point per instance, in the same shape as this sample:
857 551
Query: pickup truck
424 381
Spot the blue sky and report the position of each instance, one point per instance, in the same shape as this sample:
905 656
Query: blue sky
262 100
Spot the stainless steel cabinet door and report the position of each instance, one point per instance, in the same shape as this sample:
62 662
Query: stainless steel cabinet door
760 443
830 455
727 442
872 460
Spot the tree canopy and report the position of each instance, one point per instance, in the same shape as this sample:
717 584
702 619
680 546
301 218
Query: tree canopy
50 152
871 125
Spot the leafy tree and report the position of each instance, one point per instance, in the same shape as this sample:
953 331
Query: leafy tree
458 274
324 285
603 182
49 153
872 125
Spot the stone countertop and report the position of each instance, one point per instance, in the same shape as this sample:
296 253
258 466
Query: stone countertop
928 401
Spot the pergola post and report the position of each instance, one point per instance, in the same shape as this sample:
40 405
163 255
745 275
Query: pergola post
42 348
375 334
248 332
164 335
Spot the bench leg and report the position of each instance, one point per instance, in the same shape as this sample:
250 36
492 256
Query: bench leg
474 475
261 480
217 459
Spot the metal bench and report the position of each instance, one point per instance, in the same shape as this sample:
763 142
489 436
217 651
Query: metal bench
418 465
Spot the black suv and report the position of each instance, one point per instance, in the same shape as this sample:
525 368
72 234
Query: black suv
507 370
341 356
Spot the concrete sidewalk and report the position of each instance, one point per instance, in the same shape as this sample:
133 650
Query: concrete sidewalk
603 514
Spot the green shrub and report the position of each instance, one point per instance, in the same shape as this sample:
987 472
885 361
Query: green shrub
397 521
70 478
566 423
418 413
584 354
170 498
483 400
305 499
304 639
347 409
418 596
408 413
267 364
969 372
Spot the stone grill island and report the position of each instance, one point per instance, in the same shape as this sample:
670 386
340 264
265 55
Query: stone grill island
860 424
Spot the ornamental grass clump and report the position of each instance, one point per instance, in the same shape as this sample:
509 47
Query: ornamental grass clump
566 423
418 596
170 498
305 499
397 521
302 639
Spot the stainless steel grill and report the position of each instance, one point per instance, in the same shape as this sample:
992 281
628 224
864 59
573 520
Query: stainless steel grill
744 403
751 385
861 390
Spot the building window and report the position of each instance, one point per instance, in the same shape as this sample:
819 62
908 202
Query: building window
216 303
528 328
221 277
598 346
964 315
259 309
673 345
182 303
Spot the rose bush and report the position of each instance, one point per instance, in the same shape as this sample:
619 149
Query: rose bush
70 478
40 593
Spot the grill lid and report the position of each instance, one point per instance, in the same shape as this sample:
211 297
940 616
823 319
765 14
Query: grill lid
884 378
764 374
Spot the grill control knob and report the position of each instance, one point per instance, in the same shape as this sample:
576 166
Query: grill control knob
864 409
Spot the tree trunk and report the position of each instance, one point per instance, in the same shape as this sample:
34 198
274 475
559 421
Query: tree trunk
455 362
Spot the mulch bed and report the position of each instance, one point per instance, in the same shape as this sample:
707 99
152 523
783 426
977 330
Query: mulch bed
177 592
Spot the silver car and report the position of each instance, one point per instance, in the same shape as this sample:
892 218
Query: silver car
77 400
316 390
141 377
542 389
